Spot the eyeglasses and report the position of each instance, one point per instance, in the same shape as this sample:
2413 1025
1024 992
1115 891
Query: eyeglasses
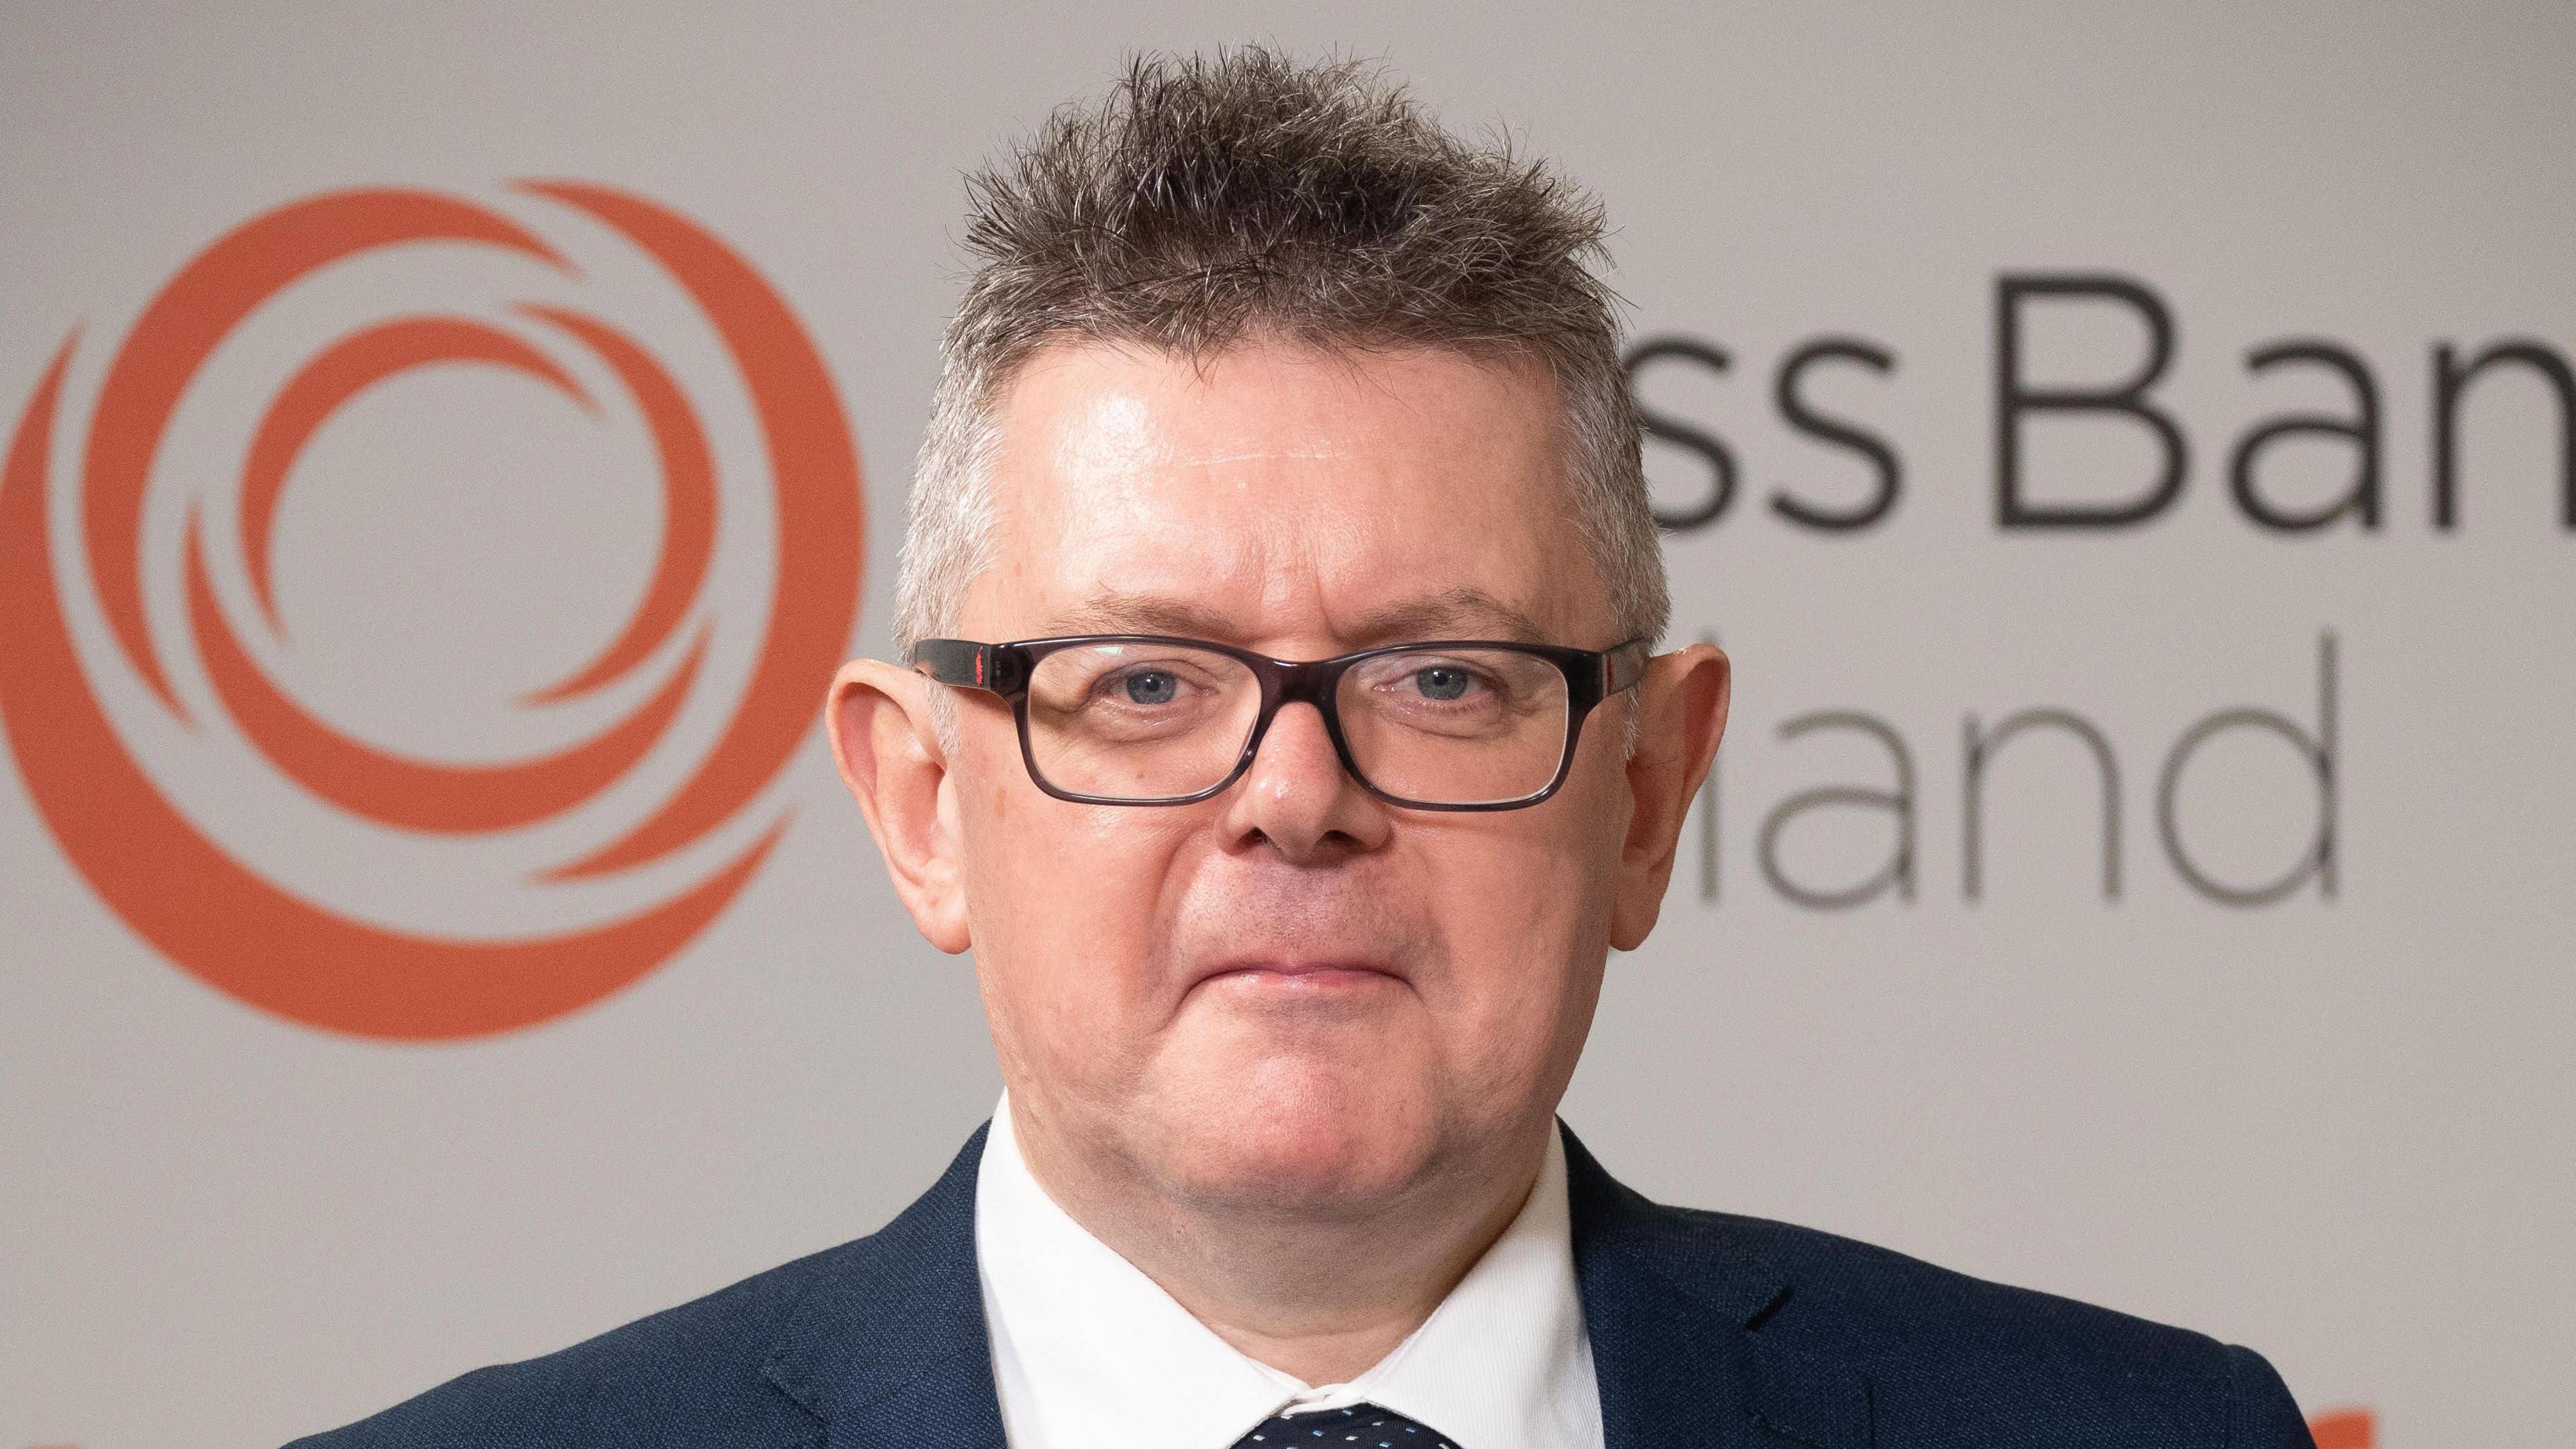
1145 719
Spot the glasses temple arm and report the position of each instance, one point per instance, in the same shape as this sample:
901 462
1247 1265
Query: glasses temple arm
959 662
1622 666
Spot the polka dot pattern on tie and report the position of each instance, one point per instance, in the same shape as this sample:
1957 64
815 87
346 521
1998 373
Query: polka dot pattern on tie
1361 1426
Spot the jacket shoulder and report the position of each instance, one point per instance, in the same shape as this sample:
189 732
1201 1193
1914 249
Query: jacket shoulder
756 1364
1956 1360
690 1375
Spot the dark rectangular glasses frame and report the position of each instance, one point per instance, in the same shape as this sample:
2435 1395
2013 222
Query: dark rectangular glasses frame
1591 676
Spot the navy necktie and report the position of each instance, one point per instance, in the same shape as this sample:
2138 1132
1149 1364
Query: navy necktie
1361 1426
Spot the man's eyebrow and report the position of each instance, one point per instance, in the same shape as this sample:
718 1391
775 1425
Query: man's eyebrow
1465 612
1113 612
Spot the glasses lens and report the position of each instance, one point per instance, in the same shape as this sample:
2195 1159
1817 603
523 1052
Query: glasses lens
1139 721
1455 726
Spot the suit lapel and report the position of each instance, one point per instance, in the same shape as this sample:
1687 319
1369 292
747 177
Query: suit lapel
1674 1309
889 1345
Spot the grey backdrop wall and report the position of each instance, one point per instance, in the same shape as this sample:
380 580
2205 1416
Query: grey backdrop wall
1928 300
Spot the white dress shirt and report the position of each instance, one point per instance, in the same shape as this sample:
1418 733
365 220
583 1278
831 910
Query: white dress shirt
1088 1352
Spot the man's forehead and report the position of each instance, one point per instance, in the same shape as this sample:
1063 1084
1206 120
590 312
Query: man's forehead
1268 490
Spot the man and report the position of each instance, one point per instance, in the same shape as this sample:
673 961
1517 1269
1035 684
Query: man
1280 730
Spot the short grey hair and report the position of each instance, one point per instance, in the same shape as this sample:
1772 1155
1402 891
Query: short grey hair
1210 202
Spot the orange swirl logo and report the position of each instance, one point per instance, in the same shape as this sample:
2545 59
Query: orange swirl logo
236 926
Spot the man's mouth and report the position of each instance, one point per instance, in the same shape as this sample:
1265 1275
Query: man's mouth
1295 977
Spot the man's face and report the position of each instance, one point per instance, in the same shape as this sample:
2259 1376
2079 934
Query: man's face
1291 995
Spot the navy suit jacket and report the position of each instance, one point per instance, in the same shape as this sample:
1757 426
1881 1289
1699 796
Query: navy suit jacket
1708 1330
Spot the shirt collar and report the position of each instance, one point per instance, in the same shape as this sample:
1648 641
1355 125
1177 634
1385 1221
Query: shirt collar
1087 1350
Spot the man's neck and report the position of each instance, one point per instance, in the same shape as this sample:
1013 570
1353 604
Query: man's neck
1322 1300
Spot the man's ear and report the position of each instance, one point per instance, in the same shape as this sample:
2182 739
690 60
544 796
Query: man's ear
888 748
1681 712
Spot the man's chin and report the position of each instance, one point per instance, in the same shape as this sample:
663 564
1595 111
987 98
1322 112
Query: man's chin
1330 1148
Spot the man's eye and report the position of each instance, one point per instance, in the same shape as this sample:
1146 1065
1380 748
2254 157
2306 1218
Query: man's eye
1442 682
1150 686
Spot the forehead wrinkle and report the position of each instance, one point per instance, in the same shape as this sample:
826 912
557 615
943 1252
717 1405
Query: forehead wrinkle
1313 452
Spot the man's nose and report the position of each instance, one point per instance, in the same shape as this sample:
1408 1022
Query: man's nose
1298 797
